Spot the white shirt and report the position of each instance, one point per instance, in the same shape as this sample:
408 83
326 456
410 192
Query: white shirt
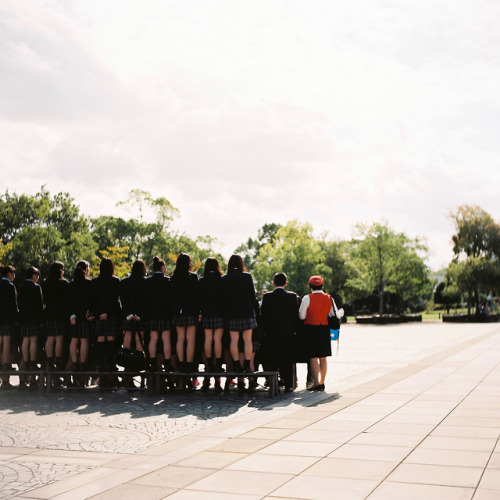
305 304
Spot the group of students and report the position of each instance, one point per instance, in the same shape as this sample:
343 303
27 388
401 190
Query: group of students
173 319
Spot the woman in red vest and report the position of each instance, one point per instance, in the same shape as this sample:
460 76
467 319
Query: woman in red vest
314 309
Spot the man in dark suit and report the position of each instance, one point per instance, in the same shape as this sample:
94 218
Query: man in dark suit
280 321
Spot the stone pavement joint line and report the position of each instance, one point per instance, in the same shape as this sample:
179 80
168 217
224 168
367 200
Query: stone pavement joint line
429 429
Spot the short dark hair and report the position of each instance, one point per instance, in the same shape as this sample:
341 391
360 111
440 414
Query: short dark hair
55 271
280 279
6 270
316 287
83 264
31 271
106 267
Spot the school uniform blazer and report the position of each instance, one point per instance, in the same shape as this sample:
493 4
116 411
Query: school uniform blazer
280 314
240 299
30 302
185 295
211 296
79 299
132 295
106 296
9 312
158 297
55 297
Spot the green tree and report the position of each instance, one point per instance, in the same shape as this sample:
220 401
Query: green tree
388 261
447 294
294 251
477 234
341 267
476 245
42 228
249 250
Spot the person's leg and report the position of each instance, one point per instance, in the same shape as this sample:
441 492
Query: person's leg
191 343
139 341
33 340
25 350
167 350
181 337
73 350
84 350
315 370
248 349
209 336
323 366
153 341
286 363
6 360
49 347
218 342
233 346
127 339
59 346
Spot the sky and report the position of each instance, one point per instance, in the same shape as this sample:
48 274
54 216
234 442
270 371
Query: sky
247 112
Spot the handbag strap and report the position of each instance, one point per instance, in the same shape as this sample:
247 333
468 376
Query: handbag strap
335 307
137 333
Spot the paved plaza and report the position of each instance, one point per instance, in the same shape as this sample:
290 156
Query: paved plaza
409 412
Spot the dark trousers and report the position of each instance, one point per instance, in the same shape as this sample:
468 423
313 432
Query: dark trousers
280 357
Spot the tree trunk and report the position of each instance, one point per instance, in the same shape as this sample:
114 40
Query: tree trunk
381 301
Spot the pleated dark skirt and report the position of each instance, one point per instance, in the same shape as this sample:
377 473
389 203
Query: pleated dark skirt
318 341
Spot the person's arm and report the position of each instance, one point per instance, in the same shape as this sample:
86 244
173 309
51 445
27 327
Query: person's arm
264 313
39 305
295 312
253 297
303 307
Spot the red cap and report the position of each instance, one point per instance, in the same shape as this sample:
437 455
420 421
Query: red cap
316 280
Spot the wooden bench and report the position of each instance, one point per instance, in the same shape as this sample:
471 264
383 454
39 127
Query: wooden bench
46 377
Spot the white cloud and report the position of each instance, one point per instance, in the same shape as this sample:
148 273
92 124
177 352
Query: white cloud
243 113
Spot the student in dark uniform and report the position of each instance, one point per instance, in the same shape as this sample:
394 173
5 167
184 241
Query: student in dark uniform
158 307
212 308
186 310
132 298
280 321
9 318
55 290
107 309
241 310
80 316
30 302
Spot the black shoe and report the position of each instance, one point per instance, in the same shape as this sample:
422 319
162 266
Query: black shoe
252 386
321 387
217 387
313 388
237 367
246 367
205 386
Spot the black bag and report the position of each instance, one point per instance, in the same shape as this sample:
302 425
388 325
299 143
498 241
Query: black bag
333 321
130 359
